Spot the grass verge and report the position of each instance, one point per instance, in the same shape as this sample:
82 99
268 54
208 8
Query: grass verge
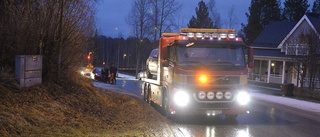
74 109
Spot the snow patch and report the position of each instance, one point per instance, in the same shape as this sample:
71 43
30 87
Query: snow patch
300 104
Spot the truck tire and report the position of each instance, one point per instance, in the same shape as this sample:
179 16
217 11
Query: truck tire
148 94
146 91
165 106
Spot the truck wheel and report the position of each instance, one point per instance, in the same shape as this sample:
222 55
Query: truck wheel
165 106
148 94
145 93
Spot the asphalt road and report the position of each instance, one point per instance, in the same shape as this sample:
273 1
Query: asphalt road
264 120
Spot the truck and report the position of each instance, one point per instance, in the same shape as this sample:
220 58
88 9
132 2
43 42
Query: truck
201 72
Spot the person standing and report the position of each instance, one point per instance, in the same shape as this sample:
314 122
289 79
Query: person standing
113 73
105 73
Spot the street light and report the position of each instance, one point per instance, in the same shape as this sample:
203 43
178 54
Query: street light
124 57
89 57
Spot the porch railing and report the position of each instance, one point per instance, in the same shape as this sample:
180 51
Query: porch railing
274 78
296 49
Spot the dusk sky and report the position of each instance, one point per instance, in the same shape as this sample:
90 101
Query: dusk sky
111 14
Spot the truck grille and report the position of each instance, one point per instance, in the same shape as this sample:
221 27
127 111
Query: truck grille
221 80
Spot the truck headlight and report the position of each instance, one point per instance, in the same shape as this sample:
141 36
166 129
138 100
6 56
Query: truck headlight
202 95
243 98
219 95
210 95
181 98
228 95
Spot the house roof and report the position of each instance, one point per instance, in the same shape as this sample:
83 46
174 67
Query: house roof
315 20
312 19
273 34
275 53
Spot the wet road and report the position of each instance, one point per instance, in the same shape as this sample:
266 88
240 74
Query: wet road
264 120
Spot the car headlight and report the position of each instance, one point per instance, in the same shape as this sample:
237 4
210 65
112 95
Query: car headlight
210 95
243 98
202 95
228 95
181 98
219 95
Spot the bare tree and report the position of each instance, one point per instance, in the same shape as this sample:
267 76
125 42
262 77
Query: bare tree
232 20
164 16
214 14
311 59
306 51
140 20
32 27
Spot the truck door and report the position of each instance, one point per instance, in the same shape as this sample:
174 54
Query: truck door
170 64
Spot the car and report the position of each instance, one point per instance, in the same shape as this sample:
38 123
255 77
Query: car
152 63
96 73
84 71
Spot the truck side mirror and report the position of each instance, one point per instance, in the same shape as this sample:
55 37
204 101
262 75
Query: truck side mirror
250 58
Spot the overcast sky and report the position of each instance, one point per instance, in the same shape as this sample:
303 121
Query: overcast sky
111 14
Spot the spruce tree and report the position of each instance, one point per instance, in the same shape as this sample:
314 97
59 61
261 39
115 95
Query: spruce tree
261 13
294 9
316 7
271 11
202 20
254 27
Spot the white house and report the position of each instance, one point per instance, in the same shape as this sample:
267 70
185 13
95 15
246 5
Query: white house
277 48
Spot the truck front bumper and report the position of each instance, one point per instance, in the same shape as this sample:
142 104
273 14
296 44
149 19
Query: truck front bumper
215 109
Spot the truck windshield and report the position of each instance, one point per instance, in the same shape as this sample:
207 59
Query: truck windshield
218 56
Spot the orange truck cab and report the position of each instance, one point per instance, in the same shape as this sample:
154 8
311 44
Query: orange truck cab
201 71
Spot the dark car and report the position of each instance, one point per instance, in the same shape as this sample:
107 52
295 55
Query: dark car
96 73
152 63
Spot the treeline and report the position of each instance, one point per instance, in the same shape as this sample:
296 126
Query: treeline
121 52
59 30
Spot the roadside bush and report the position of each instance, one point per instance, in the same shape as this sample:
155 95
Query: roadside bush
307 94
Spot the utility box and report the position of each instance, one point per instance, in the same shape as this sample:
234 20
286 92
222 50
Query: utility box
28 70
287 89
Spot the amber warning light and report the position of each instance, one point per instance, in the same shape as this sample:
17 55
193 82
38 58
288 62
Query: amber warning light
203 79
